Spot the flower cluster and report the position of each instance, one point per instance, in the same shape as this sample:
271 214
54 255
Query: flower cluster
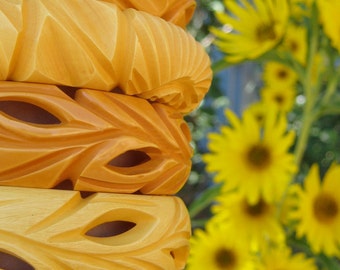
267 212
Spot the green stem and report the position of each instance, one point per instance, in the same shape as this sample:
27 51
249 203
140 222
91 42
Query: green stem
307 121
310 91
330 90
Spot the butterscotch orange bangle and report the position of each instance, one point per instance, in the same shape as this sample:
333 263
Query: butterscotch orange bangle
97 141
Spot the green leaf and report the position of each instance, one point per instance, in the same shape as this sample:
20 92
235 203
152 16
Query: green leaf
204 200
220 65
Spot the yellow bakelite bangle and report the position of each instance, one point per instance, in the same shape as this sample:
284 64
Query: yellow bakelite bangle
94 44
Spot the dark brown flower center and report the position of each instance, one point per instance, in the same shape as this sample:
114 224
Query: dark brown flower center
282 74
279 99
259 118
293 46
258 156
265 32
256 210
325 208
225 259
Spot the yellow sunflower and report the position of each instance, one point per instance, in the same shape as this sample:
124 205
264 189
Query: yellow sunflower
295 42
281 257
317 210
254 224
282 97
252 158
216 249
330 20
249 30
260 110
278 75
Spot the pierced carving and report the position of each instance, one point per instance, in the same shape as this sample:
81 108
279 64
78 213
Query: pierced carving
11 262
27 112
51 229
110 228
93 44
104 142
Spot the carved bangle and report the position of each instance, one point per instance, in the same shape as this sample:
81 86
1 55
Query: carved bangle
97 141
54 229
94 44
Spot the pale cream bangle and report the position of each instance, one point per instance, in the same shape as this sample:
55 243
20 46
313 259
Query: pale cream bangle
94 44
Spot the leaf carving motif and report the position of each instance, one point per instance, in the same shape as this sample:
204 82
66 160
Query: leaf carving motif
105 142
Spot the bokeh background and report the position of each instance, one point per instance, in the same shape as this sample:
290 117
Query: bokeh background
236 87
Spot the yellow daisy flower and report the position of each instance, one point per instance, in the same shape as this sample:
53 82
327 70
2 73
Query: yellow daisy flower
216 249
252 158
317 210
295 41
282 258
254 224
329 17
282 97
277 74
249 30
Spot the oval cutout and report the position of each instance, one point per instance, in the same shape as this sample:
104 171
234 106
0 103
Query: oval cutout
28 112
111 228
11 262
130 158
